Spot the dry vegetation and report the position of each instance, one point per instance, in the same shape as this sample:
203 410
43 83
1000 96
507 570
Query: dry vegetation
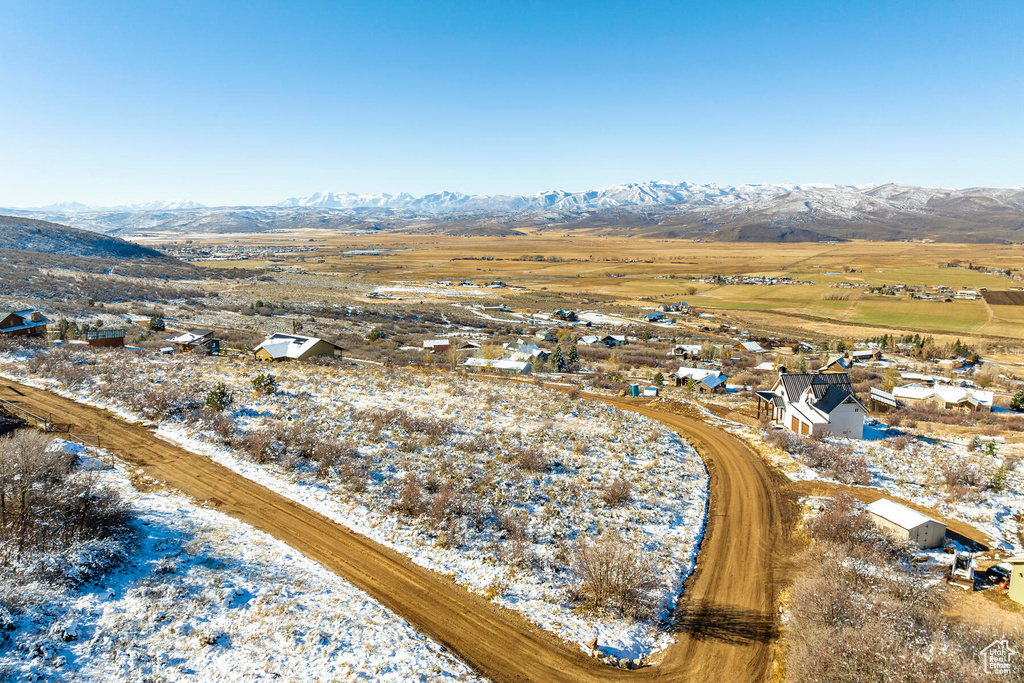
861 610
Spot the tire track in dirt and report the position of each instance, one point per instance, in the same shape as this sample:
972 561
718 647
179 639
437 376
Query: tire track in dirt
726 622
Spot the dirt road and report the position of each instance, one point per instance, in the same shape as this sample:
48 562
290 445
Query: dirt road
726 623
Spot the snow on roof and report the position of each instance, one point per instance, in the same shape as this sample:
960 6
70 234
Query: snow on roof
946 394
898 514
280 345
767 365
752 346
498 364
697 373
436 342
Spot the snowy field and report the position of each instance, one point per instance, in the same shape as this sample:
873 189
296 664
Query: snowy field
493 484
206 597
982 488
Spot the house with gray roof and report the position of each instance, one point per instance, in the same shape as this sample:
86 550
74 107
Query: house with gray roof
821 403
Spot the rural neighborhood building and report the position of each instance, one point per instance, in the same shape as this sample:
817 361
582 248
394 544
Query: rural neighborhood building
814 404
281 346
609 340
750 347
548 335
529 352
836 364
945 397
471 346
518 367
437 345
27 323
197 341
686 351
107 337
907 523
704 381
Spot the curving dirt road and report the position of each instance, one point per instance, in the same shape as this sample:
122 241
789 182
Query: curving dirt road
726 622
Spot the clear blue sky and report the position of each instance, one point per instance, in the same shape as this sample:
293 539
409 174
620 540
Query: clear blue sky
250 103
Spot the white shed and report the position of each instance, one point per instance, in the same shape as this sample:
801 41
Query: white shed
907 523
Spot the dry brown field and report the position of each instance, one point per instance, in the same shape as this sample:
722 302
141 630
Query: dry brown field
635 272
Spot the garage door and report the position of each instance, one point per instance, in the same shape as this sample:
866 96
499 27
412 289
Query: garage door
796 426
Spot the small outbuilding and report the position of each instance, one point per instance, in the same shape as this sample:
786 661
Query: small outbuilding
107 337
907 523
197 341
1017 579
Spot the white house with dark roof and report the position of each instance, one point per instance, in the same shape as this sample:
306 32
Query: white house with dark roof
815 403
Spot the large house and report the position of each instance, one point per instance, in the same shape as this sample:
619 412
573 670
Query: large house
814 404
281 346
518 367
945 397
27 323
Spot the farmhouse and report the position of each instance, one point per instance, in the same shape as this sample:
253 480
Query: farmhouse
27 323
945 397
437 345
197 341
814 404
548 335
907 523
108 337
280 346
704 381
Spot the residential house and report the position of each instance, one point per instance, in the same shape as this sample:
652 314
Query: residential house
704 381
548 335
589 340
437 345
907 523
281 346
530 353
27 323
565 314
197 341
471 346
686 351
613 340
655 317
814 404
945 397
866 356
836 364
750 347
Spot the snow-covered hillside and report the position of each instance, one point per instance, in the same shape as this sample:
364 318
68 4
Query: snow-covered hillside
497 485
206 597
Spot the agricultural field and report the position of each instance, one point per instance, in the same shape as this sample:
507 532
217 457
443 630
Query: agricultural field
633 272
508 489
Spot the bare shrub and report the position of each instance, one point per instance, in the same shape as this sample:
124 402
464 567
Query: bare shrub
617 492
961 473
410 498
531 458
900 442
55 523
613 574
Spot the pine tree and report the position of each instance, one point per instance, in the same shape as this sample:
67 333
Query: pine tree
574 354
558 361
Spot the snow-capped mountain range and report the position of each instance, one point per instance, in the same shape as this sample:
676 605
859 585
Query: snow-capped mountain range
759 212
77 207
614 196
